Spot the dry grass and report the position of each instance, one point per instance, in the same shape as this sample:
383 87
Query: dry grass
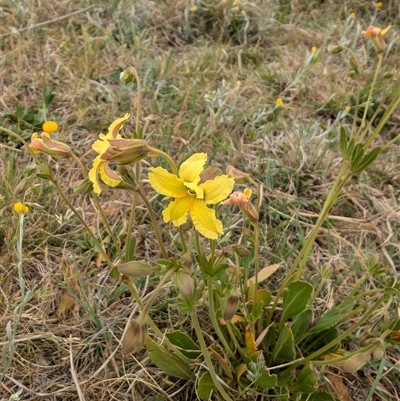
67 343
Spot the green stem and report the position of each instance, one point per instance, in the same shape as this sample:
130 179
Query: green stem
83 222
360 133
213 315
99 208
301 258
132 214
256 264
158 152
153 221
207 357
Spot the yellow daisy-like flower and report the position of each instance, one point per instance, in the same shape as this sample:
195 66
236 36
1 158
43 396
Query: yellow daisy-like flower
378 4
280 102
353 15
314 49
191 196
100 166
50 127
20 208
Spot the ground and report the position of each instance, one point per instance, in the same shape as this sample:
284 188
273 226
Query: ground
254 84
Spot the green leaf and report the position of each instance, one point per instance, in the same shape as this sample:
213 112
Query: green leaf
269 338
319 397
266 380
366 161
343 142
301 323
357 154
186 345
330 319
295 299
284 350
205 386
130 249
306 381
167 361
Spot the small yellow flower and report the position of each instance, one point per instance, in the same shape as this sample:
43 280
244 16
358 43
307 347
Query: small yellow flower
191 196
378 4
193 9
314 49
348 109
353 15
280 102
20 208
238 83
236 9
50 127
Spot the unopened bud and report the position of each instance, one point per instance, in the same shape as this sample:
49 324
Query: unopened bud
84 187
21 187
184 283
250 212
230 307
335 49
127 76
49 146
135 269
239 176
135 336
241 250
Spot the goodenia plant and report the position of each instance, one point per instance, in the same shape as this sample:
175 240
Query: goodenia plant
259 342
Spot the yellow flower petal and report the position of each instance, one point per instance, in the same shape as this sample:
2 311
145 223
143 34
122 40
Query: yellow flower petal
177 210
204 220
109 176
94 174
166 183
115 127
218 189
20 208
191 168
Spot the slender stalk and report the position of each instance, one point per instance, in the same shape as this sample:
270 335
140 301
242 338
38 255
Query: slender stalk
207 357
99 208
153 221
132 214
213 316
301 258
256 263
361 134
83 222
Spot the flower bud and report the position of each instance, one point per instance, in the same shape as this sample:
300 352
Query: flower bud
241 250
135 336
230 307
84 187
210 173
335 49
127 76
135 269
184 283
376 34
239 176
49 146
125 151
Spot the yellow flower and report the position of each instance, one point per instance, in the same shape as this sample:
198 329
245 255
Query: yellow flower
191 196
378 4
193 9
314 49
20 208
50 127
348 109
353 15
280 102
112 147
